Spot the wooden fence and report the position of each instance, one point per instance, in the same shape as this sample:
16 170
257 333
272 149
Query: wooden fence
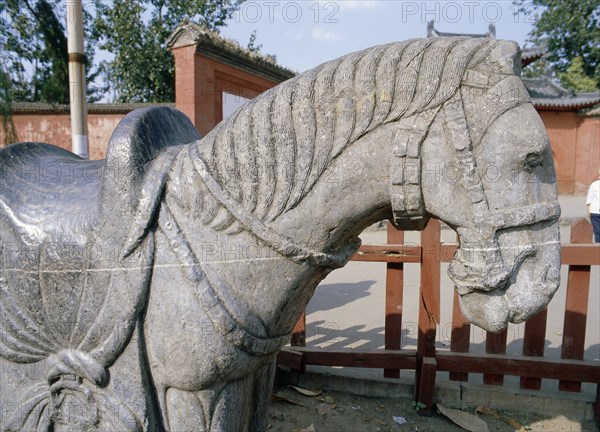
532 366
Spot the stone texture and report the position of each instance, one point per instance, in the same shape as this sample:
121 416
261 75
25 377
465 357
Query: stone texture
152 290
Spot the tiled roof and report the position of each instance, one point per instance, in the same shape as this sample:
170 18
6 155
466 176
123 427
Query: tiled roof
528 54
549 96
213 45
436 33
432 32
98 108
531 54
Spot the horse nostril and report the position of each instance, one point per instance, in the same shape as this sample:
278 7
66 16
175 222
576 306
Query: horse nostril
529 250
496 279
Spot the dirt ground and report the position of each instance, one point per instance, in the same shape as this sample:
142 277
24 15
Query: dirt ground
292 411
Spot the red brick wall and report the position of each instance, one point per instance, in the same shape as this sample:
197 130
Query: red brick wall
575 143
56 129
587 154
201 82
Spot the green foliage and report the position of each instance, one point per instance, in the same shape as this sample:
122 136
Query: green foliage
8 127
417 406
575 77
570 29
33 50
136 32
55 78
537 69
252 46
257 48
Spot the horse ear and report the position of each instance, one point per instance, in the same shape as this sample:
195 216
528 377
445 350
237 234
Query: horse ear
506 57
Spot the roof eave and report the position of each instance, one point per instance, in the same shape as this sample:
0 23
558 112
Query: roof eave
212 45
546 106
102 108
263 69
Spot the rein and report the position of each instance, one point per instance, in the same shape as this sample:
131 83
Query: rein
266 235
216 311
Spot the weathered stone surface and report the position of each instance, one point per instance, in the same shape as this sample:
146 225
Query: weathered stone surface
152 290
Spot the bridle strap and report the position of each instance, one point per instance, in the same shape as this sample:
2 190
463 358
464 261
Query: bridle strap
507 94
500 98
276 241
408 208
527 215
208 298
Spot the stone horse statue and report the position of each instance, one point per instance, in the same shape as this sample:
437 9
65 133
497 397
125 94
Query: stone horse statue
152 290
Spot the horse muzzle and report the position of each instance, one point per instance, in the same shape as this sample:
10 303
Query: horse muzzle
492 311
482 288
510 278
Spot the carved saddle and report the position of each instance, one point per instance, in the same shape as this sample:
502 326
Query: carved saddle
76 254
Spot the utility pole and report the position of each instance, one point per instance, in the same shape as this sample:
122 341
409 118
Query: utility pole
79 131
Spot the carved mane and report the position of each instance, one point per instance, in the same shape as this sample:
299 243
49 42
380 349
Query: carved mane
290 134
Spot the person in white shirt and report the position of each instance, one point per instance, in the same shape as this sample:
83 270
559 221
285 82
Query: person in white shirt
593 207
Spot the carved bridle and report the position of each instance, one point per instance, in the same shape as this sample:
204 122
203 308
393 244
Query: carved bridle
280 243
502 93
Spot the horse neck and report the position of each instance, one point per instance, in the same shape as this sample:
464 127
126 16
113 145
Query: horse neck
352 193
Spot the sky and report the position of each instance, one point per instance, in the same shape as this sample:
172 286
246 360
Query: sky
305 33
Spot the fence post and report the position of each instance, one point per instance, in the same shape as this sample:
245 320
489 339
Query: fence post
299 332
429 314
534 341
460 336
299 336
394 292
495 343
576 305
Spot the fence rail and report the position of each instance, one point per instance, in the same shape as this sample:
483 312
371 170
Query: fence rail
532 366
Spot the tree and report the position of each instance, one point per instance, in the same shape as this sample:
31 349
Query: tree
136 32
10 132
575 77
33 50
570 29
253 47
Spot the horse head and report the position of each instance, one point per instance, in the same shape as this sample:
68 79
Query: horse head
488 173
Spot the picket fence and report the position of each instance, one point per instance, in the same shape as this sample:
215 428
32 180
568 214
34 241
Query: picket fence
571 370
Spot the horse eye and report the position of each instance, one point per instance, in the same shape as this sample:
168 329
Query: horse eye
532 161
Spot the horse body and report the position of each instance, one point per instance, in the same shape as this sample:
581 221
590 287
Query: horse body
231 234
